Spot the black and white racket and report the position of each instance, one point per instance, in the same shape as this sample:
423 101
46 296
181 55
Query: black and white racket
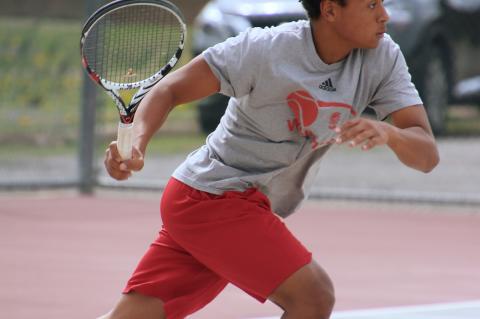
131 44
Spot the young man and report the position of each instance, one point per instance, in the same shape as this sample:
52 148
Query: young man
296 90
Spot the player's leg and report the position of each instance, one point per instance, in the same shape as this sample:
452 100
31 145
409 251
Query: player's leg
308 293
134 305
238 237
168 283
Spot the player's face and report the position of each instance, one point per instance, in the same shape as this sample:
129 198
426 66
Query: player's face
362 23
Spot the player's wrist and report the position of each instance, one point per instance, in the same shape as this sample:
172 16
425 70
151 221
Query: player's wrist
393 134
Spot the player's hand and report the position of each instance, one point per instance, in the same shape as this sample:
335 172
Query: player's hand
363 132
119 169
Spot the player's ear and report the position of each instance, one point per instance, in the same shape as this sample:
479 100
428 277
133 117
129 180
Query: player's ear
328 10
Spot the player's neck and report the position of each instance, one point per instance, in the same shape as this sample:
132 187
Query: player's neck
329 46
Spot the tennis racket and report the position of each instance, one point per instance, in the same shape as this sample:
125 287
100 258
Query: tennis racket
131 45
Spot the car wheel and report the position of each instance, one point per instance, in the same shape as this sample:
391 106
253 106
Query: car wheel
434 87
210 111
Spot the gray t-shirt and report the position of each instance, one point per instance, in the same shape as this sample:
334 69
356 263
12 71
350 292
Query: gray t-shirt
285 104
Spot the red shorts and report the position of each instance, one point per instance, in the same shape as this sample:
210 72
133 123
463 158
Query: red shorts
208 241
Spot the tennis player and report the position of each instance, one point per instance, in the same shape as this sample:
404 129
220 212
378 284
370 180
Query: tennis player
295 90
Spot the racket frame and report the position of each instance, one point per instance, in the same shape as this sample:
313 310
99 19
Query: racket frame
127 112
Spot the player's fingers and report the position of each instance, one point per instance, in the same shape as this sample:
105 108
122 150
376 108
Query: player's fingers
115 170
371 143
120 175
114 153
110 162
349 133
136 162
362 137
113 164
350 123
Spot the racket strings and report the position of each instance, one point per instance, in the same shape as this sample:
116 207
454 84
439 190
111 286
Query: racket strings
132 43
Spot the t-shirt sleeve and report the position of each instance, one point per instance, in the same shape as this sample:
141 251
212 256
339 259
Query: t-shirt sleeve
396 90
236 62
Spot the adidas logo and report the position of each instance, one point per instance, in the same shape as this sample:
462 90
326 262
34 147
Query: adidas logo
327 86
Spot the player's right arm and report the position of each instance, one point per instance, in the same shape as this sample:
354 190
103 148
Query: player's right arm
193 81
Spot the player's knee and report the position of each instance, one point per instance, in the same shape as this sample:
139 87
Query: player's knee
316 305
307 294
317 300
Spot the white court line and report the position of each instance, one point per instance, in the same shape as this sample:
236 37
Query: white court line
403 310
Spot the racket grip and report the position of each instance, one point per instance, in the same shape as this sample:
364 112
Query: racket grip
125 140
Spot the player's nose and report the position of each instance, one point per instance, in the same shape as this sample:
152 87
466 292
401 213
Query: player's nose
384 16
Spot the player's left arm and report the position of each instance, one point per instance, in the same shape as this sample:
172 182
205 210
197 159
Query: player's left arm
409 136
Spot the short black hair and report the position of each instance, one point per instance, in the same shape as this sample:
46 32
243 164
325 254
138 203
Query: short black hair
313 7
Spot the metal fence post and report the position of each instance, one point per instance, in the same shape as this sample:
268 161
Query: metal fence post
86 157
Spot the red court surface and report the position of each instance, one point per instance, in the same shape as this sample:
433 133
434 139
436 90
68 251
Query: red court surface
65 256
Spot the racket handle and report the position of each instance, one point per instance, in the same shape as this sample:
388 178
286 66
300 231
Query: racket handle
125 140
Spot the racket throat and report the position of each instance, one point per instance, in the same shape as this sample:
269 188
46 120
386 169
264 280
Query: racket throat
127 114
126 119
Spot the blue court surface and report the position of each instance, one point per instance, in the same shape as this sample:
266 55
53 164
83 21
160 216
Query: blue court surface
461 310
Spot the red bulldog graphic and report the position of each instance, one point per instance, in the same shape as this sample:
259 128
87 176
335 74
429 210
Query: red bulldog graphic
306 110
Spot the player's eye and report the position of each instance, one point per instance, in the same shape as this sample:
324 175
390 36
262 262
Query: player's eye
373 4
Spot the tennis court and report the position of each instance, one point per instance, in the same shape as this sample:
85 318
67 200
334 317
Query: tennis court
65 255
